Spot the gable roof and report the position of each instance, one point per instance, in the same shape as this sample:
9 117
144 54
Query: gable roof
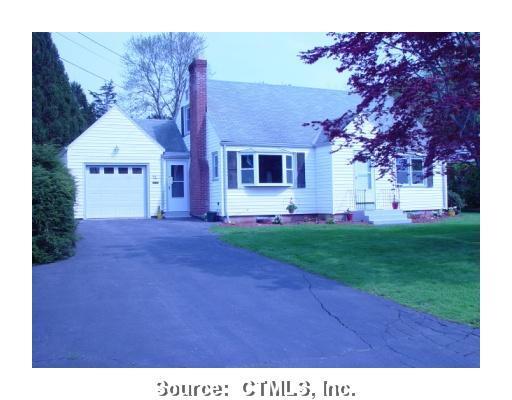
165 132
272 115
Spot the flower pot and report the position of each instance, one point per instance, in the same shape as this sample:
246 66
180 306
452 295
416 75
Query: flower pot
349 217
291 211
395 205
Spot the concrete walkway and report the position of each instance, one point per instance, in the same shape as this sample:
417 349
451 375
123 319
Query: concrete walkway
147 293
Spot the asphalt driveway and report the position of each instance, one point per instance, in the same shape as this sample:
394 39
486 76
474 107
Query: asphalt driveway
147 293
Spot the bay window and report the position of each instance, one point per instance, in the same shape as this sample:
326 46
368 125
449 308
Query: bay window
271 169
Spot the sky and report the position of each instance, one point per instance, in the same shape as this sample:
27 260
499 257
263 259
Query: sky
244 57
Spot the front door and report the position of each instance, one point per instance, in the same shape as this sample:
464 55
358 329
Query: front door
364 186
177 187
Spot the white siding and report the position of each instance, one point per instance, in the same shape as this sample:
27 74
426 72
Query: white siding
96 146
273 200
414 198
213 145
343 179
324 181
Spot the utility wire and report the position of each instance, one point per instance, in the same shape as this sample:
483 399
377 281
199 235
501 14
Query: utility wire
89 72
106 48
86 48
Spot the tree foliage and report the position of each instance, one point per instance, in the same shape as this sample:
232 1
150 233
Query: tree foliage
156 69
53 195
464 179
104 99
86 109
56 116
420 90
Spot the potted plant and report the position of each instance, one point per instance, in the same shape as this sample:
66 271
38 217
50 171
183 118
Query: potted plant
291 207
277 220
395 204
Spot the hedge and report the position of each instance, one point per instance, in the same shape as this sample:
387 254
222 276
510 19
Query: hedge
53 196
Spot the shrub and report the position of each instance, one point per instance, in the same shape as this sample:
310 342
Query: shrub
464 178
455 200
53 196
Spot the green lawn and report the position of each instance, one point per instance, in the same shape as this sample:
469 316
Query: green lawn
431 267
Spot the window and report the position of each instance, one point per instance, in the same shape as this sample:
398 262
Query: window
122 170
215 165
108 170
137 170
270 168
178 181
289 170
410 171
94 170
402 171
247 168
185 120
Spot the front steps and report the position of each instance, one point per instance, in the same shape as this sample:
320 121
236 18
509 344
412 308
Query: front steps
381 217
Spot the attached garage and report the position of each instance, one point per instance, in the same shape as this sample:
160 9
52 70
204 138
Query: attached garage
117 166
115 191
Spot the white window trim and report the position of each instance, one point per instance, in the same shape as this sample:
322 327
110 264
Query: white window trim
409 174
256 169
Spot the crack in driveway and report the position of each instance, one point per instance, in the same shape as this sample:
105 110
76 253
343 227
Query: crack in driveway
335 317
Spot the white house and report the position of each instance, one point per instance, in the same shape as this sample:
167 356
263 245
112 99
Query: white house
241 150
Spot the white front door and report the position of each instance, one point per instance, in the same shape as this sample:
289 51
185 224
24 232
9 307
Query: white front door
177 186
364 186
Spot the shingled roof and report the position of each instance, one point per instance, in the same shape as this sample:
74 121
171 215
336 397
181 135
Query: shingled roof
257 114
165 132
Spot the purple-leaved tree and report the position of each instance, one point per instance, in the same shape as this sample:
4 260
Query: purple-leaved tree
421 91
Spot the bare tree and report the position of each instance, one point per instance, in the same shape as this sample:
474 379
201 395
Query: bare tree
156 71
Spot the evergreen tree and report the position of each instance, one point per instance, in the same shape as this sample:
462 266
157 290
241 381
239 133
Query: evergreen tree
103 99
85 108
56 116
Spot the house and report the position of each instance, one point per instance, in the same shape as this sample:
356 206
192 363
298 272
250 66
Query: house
239 149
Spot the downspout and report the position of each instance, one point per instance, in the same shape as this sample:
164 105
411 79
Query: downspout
224 188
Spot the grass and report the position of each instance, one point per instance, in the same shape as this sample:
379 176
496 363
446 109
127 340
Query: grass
433 267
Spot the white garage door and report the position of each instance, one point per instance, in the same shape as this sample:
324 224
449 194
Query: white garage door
115 191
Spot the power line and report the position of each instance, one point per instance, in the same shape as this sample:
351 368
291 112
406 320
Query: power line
86 48
89 72
105 47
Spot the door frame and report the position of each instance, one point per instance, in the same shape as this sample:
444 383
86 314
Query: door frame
186 163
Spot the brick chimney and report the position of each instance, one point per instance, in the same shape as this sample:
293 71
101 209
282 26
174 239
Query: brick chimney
199 175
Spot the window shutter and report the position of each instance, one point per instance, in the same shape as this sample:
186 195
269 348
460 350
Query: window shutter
232 170
301 170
